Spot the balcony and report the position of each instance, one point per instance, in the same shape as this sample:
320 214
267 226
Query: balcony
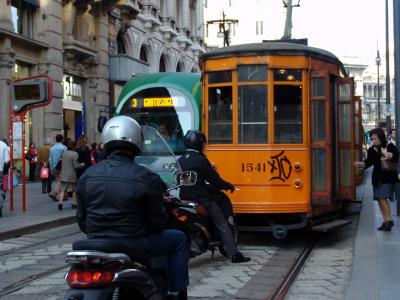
123 66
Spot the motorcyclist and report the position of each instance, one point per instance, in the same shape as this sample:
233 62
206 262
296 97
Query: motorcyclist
206 190
117 198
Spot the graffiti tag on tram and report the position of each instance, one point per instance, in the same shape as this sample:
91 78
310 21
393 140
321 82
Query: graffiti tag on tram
278 166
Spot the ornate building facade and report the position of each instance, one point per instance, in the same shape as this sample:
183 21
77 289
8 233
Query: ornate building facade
90 48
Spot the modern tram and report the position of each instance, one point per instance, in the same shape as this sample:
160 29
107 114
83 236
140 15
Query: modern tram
282 124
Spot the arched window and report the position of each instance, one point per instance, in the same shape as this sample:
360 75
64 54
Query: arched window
143 55
120 43
179 67
162 64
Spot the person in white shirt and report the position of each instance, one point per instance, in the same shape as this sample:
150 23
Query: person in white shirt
4 159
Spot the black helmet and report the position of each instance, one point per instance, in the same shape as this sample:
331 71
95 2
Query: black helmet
195 139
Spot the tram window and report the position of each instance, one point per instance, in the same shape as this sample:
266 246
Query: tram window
220 115
252 73
318 172
166 109
288 125
318 125
318 87
287 75
253 114
219 76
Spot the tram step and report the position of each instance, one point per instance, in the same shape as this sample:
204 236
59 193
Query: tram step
330 225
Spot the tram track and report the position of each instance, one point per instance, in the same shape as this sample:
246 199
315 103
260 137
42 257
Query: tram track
34 244
291 275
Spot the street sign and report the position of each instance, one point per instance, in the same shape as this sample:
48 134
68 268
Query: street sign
30 92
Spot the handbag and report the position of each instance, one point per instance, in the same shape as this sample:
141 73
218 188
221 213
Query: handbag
44 173
388 165
5 183
28 156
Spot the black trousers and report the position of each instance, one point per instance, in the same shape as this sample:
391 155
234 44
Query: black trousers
32 172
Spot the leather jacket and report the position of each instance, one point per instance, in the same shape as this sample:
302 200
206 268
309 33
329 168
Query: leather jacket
118 198
192 160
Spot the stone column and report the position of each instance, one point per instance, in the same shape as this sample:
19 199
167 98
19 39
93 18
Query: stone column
184 12
5 16
68 21
7 60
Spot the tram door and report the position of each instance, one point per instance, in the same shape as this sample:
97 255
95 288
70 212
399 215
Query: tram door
320 139
358 138
345 138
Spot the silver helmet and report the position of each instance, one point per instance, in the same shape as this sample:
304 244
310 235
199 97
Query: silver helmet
122 132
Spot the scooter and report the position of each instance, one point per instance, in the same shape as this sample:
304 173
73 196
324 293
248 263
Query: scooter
111 269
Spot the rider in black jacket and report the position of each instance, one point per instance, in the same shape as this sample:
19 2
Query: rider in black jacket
118 198
207 189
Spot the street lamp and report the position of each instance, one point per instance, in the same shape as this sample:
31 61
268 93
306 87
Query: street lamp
378 63
223 25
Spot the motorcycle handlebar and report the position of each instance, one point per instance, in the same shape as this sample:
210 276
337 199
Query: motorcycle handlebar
178 203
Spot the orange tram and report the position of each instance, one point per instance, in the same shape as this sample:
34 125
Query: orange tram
283 125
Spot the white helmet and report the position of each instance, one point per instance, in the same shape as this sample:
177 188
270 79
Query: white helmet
123 133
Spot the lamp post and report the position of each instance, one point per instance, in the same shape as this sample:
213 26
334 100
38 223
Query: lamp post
223 25
378 63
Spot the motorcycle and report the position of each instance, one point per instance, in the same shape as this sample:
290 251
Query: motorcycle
204 236
112 269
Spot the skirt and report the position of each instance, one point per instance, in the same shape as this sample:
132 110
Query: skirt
383 190
67 186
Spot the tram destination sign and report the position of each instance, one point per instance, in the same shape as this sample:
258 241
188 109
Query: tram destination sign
157 102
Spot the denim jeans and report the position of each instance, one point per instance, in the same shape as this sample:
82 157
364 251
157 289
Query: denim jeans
174 244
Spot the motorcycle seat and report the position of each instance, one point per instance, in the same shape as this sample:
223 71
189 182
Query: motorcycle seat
135 253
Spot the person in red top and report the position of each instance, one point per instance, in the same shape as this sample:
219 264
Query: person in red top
32 157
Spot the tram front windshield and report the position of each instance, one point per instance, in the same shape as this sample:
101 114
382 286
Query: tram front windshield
166 109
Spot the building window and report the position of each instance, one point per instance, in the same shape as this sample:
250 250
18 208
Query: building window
259 28
22 17
120 43
21 70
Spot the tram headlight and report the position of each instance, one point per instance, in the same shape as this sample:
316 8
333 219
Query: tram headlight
297 166
297 183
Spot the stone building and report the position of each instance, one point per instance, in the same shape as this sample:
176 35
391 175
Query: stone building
89 48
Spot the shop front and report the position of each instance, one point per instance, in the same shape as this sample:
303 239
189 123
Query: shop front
73 107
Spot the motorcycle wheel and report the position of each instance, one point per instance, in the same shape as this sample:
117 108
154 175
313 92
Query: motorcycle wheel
235 233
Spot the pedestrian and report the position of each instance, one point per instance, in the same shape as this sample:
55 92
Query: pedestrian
93 154
101 152
392 136
4 165
383 156
54 156
68 175
83 154
43 162
31 155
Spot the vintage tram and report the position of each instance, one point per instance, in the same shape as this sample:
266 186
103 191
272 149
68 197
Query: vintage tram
283 125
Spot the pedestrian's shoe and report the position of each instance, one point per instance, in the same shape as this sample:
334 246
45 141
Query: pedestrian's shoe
74 206
389 226
239 258
60 206
382 227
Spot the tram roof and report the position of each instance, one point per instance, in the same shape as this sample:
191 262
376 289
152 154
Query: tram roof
189 82
275 48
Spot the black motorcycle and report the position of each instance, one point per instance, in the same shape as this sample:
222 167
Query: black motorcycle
194 221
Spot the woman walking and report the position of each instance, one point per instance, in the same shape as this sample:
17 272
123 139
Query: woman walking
383 156
68 175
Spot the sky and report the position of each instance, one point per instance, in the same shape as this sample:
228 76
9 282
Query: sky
344 27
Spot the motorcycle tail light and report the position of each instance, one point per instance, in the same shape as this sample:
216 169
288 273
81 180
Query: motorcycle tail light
89 278
183 218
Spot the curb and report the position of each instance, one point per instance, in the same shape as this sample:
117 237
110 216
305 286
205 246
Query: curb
14 233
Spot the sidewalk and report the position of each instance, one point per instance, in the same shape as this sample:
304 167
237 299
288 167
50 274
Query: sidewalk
376 265
41 212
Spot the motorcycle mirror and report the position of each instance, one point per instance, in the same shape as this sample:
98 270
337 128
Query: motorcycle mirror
187 178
